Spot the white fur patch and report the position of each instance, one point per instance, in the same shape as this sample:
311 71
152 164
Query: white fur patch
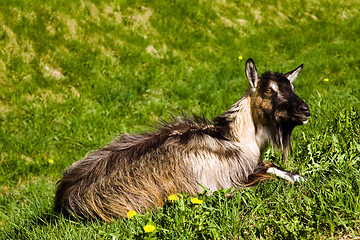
281 174
306 121
274 86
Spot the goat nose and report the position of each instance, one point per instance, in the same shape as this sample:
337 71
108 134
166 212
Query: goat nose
305 109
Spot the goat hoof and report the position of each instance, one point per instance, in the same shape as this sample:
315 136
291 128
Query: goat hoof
299 179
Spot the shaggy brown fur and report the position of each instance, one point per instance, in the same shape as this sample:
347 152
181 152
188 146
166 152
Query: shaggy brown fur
139 172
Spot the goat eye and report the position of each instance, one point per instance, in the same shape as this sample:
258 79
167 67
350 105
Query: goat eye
268 90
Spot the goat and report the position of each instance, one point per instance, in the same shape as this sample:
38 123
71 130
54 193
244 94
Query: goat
138 172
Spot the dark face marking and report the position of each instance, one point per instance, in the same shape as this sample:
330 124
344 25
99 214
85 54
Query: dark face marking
275 102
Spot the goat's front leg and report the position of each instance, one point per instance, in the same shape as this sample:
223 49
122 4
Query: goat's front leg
264 169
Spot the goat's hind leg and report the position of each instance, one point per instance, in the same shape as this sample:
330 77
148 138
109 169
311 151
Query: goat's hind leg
264 169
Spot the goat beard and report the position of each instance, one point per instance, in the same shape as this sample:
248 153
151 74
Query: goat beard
281 138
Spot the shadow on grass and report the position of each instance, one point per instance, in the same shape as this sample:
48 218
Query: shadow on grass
53 218
49 218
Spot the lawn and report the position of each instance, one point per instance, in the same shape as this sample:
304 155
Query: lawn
75 74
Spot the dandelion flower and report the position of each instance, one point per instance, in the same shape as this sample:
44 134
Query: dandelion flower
173 197
326 79
131 214
51 161
240 57
196 201
149 228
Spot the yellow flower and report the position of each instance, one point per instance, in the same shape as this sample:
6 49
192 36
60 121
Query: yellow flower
196 201
326 79
240 57
131 214
173 197
51 161
149 228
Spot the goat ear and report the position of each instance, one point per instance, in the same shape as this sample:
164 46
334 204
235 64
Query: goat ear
293 74
251 73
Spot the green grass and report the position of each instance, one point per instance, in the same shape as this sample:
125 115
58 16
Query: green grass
74 74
